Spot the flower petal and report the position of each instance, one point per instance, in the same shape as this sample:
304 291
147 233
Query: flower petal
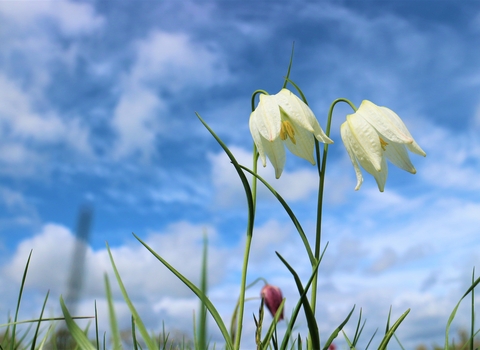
395 119
347 139
257 138
276 153
365 143
266 117
304 144
301 114
386 122
381 176
398 155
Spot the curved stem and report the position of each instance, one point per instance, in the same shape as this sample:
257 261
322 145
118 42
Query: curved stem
289 67
248 242
321 172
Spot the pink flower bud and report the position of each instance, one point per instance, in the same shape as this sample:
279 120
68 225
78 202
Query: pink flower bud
273 298
332 347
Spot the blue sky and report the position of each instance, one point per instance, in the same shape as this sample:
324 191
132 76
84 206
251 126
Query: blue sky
98 102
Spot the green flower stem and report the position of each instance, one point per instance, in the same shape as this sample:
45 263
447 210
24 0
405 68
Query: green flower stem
248 242
321 171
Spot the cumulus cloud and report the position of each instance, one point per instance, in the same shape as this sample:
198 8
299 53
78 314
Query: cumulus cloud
142 273
72 18
26 128
165 64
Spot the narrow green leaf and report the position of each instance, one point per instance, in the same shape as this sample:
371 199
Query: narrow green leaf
210 307
296 310
17 309
289 66
398 341
337 330
38 324
202 323
273 325
75 331
117 340
96 327
141 327
391 331
243 178
250 224
371 339
311 321
290 213
454 312
134 335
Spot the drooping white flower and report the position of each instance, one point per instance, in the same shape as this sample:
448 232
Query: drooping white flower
284 119
371 135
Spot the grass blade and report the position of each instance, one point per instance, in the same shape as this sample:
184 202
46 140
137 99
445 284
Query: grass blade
454 312
337 330
141 327
39 321
273 325
311 321
22 285
208 304
202 322
391 331
117 340
75 331
289 212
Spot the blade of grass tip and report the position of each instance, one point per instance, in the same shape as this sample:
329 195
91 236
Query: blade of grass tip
96 327
289 211
360 332
22 285
388 319
289 66
202 322
311 321
391 331
358 329
296 310
454 312
134 335
337 330
371 339
210 307
117 340
141 327
398 341
243 178
75 331
35 335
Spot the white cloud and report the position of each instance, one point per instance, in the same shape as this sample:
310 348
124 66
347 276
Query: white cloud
164 63
175 62
72 18
141 272
25 128
136 122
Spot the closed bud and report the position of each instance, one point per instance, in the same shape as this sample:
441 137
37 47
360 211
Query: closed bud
273 298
